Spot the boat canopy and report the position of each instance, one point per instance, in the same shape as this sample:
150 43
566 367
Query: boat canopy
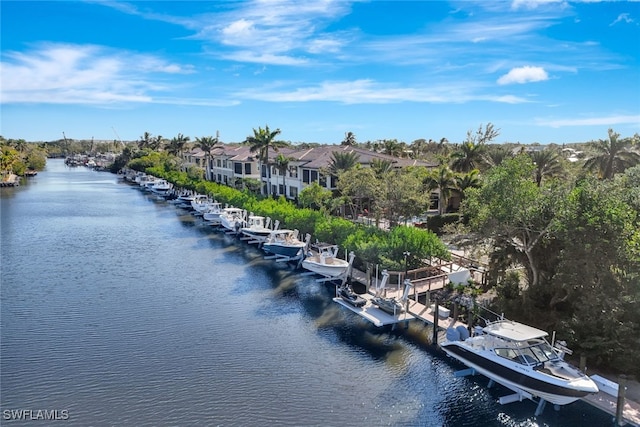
513 331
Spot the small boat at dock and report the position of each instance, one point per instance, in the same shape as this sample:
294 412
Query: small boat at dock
322 259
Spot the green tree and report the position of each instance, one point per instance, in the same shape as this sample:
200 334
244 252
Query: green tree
206 144
349 139
444 180
9 157
403 196
470 179
392 147
547 164
261 141
281 163
611 156
470 153
177 144
359 185
342 161
381 167
315 197
511 212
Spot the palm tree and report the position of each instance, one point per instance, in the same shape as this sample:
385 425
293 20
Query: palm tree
547 164
381 166
260 142
206 144
442 179
342 161
470 179
349 139
144 141
177 144
392 147
156 143
612 156
282 164
467 157
494 155
418 147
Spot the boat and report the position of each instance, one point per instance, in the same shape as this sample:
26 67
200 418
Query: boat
520 358
322 259
213 212
232 219
160 187
348 295
200 203
388 305
256 229
284 243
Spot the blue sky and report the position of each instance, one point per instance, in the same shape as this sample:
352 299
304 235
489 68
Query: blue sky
539 70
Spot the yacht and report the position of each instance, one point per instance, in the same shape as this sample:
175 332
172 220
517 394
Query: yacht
520 358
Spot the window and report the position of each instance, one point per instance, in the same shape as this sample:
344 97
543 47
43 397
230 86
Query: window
293 192
293 171
314 176
218 162
263 171
305 176
247 168
281 189
237 168
323 180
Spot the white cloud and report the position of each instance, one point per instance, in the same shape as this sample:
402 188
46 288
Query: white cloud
366 91
524 74
593 121
81 74
623 17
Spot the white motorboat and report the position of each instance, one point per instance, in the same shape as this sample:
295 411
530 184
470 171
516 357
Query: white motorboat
199 203
233 219
213 212
284 243
160 187
257 228
323 260
520 358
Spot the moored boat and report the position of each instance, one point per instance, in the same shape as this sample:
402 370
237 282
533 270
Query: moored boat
323 260
519 357
232 219
284 243
348 295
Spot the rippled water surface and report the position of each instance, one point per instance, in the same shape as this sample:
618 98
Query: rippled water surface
121 309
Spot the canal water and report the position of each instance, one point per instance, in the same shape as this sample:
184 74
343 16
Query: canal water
120 309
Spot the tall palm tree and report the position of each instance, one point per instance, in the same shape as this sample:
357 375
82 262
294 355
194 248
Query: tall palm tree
342 161
442 179
177 144
206 144
282 164
547 164
260 142
349 139
612 156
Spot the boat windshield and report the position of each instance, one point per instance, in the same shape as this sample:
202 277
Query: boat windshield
529 353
